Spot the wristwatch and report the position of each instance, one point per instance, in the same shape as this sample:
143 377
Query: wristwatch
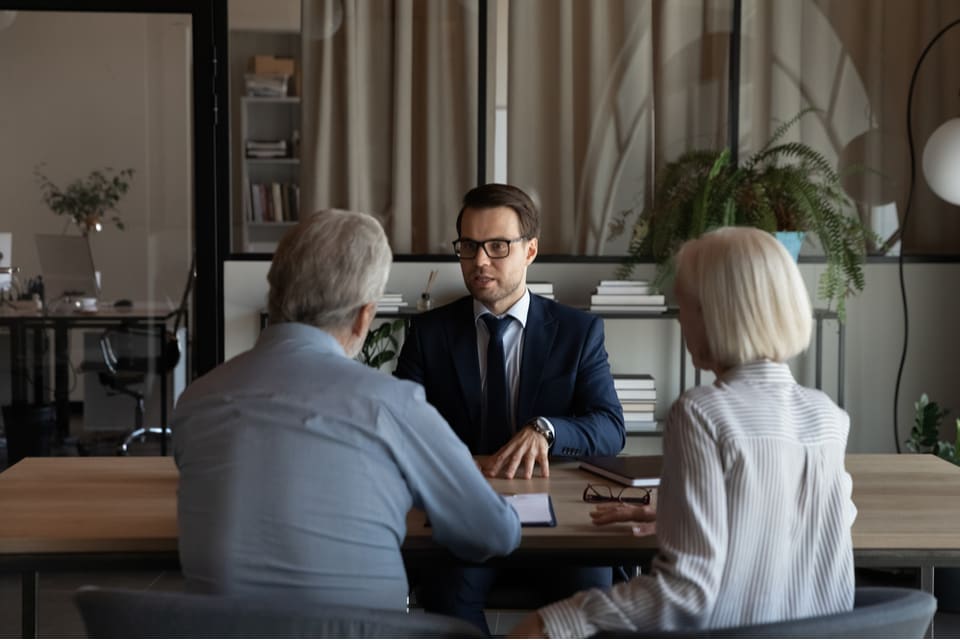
541 426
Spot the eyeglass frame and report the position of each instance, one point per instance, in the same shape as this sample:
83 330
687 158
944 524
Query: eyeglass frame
597 498
482 244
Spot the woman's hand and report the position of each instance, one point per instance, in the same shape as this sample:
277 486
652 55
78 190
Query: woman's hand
530 627
643 514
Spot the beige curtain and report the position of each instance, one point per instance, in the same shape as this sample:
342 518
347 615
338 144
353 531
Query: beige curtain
599 92
852 60
389 113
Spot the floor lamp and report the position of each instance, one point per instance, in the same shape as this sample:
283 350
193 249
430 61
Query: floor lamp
941 168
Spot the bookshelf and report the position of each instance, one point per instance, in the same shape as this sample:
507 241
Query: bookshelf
270 172
640 443
270 199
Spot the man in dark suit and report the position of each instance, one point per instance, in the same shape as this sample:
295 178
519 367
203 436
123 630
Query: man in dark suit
518 377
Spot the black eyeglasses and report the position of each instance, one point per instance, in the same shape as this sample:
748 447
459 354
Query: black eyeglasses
495 247
603 493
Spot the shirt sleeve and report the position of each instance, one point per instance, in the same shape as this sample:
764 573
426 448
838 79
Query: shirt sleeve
466 515
692 538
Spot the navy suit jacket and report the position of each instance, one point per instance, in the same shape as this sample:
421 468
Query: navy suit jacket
564 375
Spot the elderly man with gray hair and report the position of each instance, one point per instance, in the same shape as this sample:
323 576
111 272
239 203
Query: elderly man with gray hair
298 464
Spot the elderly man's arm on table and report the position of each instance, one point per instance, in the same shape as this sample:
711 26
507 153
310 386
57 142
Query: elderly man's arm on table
593 425
466 515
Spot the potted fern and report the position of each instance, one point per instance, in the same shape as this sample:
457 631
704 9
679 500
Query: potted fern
783 187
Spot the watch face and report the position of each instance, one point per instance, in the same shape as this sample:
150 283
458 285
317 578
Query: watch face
541 427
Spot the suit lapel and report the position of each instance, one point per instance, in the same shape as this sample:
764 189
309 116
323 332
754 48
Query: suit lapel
463 352
538 337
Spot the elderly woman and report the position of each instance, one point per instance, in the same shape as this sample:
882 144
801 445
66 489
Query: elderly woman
754 505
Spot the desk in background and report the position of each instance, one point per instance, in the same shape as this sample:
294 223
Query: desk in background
27 354
121 513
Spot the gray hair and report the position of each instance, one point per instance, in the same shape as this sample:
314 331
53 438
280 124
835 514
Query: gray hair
753 300
327 267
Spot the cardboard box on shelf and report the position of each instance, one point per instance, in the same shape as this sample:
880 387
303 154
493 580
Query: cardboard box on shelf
266 64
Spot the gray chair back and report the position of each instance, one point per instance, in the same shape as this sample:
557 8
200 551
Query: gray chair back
878 612
122 613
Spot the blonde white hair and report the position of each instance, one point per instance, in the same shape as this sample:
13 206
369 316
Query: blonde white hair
327 267
754 303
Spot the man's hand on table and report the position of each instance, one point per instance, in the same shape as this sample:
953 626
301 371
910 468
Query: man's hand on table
518 457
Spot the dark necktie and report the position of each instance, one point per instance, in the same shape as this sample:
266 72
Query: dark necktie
498 428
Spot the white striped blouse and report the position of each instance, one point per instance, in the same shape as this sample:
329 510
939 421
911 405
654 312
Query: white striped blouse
754 514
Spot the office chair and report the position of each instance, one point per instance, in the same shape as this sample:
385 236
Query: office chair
122 613
878 612
132 353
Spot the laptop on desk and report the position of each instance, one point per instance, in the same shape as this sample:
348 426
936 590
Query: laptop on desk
67 267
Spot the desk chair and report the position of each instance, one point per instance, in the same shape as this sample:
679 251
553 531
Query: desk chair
121 613
878 612
130 354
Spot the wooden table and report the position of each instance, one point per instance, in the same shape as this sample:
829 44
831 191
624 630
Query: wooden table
120 513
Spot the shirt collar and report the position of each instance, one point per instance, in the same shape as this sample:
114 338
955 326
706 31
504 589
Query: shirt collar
759 372
518 311
276 334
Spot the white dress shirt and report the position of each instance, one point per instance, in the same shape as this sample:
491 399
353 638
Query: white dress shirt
512 347
754 514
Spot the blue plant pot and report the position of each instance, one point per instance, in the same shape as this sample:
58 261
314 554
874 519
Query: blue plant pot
792 240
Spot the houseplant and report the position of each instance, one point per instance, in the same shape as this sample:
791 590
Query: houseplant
925 438
86 201
925 434
381 344
785 186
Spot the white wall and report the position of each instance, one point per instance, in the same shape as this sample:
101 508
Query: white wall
874 336
87 91
84 91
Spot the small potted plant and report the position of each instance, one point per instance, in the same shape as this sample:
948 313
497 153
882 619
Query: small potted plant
925 438
86 201
783 187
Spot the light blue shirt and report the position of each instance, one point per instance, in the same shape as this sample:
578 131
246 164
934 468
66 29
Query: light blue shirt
298 467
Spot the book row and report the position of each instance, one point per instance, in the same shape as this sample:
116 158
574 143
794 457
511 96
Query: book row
274 202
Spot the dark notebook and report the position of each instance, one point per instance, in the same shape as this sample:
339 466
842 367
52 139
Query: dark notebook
633 471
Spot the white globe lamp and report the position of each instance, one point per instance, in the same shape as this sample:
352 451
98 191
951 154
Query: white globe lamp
941 161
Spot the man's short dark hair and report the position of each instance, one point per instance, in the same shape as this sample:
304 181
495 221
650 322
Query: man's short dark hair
492 195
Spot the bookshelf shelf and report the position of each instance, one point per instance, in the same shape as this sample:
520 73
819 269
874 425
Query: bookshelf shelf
273 160
265 131
819 316
271 99
283 223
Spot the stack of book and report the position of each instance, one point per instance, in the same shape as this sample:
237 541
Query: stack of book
266 85
390 303
638 397
542 289
635 296
274 202
267 149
